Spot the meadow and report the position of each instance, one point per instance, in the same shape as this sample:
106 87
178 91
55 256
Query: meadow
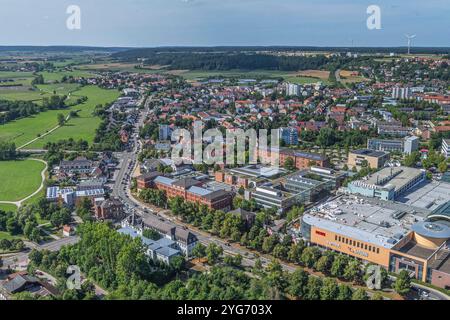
19 178
83 127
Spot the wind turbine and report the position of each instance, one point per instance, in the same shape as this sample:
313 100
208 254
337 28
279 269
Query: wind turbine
409 41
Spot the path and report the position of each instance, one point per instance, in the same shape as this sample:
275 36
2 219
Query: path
19 203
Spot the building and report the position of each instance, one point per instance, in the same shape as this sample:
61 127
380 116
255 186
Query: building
289 135
164 132
249 176
293 89
406 145
301 159
190 190
146 180
374 159
401 93
389 183
394 130
446 148
393 235
77 166
66 196
110 209
163 250
21 282
275 196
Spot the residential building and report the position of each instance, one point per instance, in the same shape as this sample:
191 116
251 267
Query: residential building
446 148
293 89
401 93
289 135
406 145
164 132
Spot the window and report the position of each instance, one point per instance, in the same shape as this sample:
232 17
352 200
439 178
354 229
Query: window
378 250
335 238
365 246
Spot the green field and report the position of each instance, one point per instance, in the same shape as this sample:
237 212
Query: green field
58 75
84 126
24 130
58 88
7 236
19 179
7 207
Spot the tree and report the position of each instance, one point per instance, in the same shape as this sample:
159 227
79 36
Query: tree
338 266
309 256
297 283
329 289
289 164
402 284
345 292
177 263
313 288
377 296
199 251
360 294
61 119
213 253
443 167
352 271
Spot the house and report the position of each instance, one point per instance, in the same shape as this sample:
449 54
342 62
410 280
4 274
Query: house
68 231
22 281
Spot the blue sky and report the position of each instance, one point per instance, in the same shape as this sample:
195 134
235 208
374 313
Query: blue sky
147 23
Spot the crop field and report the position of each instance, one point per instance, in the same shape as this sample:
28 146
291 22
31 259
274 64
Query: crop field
19 179
351 77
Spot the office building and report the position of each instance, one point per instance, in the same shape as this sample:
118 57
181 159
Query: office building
374 159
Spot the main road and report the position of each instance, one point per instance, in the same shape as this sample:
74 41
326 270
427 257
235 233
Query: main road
122 191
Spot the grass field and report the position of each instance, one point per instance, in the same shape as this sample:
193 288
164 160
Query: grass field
7 236
19 179
58 88
7 207
58 75
24 130
84 126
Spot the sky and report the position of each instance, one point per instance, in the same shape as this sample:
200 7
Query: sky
151 23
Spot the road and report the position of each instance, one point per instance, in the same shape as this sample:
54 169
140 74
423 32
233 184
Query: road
121 190
22 257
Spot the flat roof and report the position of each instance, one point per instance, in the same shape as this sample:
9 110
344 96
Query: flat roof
392 177
428 195
366 219
369 152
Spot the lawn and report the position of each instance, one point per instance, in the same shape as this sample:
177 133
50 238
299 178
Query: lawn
7 207
83 126
59 88
19 179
